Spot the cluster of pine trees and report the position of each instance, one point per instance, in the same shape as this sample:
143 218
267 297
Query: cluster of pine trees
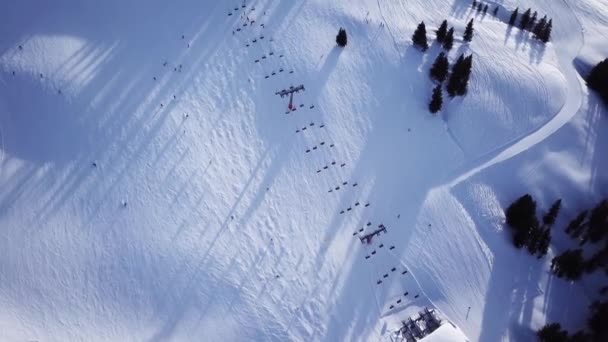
439 72
530 22
588 226
480 6
459 78
527 230
444 36
461 71
598 79
598 329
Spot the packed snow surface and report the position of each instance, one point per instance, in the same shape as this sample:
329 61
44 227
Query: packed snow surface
153 187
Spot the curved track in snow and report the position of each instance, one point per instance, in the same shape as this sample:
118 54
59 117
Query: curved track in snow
567 53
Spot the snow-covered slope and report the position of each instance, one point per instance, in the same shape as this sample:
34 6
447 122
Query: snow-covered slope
446 332
152 187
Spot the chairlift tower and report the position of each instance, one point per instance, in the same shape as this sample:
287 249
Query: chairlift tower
292 90
367 239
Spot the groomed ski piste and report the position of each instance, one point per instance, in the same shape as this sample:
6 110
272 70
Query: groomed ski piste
154 186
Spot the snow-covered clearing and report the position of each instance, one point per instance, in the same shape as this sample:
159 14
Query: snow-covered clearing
152 187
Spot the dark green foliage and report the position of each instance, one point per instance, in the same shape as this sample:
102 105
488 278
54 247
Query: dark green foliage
598 321
538 240
341 38
580 336
474 5
440 68
479 7
513 17
442 31
520 213
597 227
436 100
540 27
549 218
532 22
495 12
552 333
419 37
569 264
485 9
459 79
448 41
468 32
533 241
525 19
544 242
598 79
597 260
577 226
546 33
521 217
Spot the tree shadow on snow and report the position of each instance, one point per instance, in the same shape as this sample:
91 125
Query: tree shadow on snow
596 141
122 89
390 160
514 277
460 8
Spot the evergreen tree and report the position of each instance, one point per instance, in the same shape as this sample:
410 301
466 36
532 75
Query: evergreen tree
552 333
495 12
468 32
479 7
457 72
569 264
436 100
485 9
532 22
520 213
440 68
597 321
546 34
442 31
580 336
551 215
534 238
474 5
513 17
525 19
521 217
598 79
448 41
464 79
419 37
540 27
577 226
544 242
458 82
341 38
597 260
597 227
